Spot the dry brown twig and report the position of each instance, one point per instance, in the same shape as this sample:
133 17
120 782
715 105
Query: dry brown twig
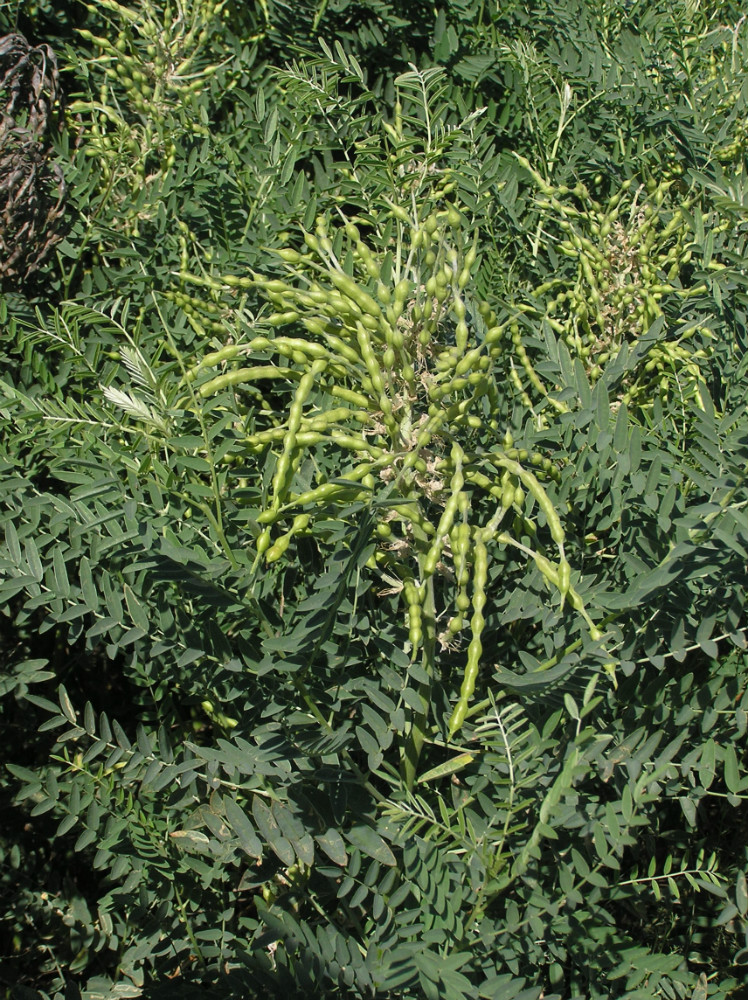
32 186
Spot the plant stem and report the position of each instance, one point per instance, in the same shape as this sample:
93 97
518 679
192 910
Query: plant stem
187 924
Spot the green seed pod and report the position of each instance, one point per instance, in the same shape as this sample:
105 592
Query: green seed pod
349 288
462 601
234 281
507 495
290 256
283 319
312 242
242 376
278 548
384 531
450 510
384 293
456 624
532 484
372 266
460 541
369 358
263 542
494 335
454 218
399 212
475 649
547 568
402 290
463 278
283 468
415 615
393 335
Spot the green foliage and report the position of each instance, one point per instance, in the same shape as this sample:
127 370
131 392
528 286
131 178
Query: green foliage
373 510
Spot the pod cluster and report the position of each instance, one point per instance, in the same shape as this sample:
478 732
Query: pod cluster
155 59
631 256
391 365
